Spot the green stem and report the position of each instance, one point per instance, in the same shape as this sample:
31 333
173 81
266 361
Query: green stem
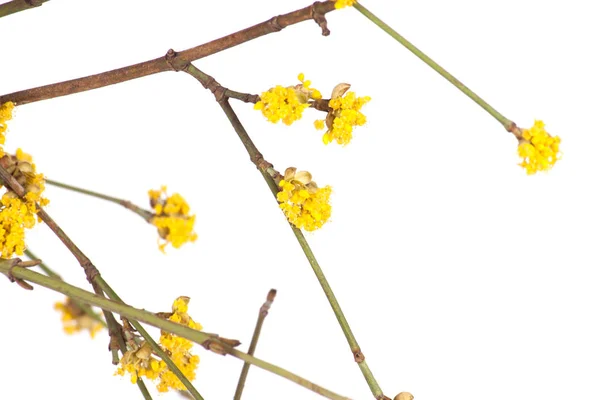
155 347
508 124
135 314
147 215
15 6
263 167
262 314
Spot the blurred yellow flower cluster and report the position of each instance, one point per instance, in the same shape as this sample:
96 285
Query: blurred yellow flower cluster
343 3
140 362
18 214
74 319
538 148
172 218
287 103
5 115
304 204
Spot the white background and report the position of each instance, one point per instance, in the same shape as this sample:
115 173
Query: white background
461 276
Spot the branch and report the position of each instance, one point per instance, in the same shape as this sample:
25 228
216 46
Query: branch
211 342
147 215
172 59
115 331
271 176
262 314
19 5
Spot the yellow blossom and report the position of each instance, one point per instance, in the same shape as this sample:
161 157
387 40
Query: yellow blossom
343 3
5 115
304 204
343 116
74 319
139 361
538 148
18 214
172 218
179 348
287 103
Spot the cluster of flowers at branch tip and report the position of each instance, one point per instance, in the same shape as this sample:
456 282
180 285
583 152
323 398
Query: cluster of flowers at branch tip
287 103
305 205
75 320
172 218
139 360
343 3
18 214
343 109
538 148
344 114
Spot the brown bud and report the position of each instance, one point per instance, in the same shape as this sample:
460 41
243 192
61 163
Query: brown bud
404 396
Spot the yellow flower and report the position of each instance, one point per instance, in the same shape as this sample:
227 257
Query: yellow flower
179 348
538 148
74 319
343 3
287 103
140 362
304 204
172 219
343 116
18 214
5 115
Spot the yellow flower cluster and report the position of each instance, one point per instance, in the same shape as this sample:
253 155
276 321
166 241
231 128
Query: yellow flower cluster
179 348
539 150
287 103
304 204
344 115
5 115
172 218
74 319
343 3
18 214
140 362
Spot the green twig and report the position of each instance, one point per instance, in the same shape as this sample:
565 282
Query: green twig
135 314
508 124
15 6
147 215
262 314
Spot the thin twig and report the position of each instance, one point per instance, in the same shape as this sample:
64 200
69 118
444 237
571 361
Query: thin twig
15 6
507 123
208 341
262 314
173 60
147 215
271 175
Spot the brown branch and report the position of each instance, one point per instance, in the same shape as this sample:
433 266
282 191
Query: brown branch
19 5
262 314
173 61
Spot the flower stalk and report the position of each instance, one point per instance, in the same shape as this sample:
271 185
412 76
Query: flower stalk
507 123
